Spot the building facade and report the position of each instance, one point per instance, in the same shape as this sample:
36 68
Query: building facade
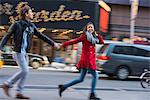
60 20
120 19
64 19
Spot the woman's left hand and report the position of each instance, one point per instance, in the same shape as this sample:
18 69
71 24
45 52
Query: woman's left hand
96 34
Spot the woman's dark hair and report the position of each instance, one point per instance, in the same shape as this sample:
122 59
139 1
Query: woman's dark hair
22 8
85 27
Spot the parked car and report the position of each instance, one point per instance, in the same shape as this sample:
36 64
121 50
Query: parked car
35 60
122 60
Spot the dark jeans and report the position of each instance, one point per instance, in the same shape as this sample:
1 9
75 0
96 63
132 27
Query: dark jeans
81 78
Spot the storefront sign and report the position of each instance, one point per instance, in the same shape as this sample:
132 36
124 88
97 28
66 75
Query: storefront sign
45 16
52 14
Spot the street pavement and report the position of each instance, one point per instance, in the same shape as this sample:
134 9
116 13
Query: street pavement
77 94
50 92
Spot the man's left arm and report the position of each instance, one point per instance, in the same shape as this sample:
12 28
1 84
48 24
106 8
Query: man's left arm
44 37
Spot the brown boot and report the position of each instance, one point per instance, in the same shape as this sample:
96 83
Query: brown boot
21 96
6 88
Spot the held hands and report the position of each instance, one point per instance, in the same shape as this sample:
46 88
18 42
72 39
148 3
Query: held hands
58 46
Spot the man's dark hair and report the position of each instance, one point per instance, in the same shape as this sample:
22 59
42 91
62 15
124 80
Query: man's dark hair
22 8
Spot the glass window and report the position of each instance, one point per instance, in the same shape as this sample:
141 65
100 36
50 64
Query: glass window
142 52
103 48
129 50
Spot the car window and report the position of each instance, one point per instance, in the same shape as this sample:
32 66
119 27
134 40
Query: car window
7 56
103 48
142 52
123 50
130 50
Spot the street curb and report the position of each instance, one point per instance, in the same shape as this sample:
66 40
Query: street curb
51 68
47 87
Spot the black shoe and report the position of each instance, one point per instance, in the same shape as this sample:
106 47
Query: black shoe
61 89
6 88
93 97
21 96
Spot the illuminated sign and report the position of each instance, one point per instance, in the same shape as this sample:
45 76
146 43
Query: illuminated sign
52 14
60 15
6 8
104 20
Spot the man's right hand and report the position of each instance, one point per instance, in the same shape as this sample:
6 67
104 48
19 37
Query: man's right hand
0 52
1 62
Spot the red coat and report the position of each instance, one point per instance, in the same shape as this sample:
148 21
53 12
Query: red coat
88 58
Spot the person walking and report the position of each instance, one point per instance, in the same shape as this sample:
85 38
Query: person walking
22 32
87 62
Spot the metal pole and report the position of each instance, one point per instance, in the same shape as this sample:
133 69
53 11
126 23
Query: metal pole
134 10
132 24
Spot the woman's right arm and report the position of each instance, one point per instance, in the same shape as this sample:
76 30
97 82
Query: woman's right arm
100 39
74 41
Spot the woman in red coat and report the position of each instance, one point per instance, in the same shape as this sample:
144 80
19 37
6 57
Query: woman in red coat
88 60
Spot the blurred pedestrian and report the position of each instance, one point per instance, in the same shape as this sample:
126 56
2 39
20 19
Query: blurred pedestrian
87 62
22 32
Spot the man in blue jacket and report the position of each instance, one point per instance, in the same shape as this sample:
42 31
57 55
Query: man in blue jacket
22 32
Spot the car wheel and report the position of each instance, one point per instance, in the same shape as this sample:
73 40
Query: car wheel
122 72
35 64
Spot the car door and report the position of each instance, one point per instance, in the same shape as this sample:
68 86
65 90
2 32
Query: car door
135 58
142 60
8 59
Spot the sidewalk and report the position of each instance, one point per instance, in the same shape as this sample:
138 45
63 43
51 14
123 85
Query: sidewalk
77 93
54 67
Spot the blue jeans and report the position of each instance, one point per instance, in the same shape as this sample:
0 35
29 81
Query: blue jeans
22 61
81 79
